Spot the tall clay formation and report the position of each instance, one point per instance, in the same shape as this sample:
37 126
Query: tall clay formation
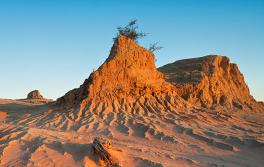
212 82
128 73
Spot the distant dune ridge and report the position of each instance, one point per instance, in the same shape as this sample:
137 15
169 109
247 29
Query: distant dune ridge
194 112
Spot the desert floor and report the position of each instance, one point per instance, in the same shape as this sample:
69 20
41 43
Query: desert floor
38 135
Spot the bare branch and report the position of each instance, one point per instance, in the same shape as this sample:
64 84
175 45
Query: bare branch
154 47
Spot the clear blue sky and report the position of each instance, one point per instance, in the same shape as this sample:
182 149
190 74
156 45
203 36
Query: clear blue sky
53 45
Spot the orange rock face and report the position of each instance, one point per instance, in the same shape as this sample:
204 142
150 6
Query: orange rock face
211 82
128 72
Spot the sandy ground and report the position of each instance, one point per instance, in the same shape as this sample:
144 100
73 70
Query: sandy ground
40 135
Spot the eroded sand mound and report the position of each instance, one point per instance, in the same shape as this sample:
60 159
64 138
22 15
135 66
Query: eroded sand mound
35 97
35 94
211 82
127 76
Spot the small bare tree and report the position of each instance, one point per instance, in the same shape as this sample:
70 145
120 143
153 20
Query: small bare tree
130 31
154 47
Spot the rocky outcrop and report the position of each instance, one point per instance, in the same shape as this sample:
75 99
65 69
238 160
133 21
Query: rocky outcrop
210 81
127 74
34 97
35 94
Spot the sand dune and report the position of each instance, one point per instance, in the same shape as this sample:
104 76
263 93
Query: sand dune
50 137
